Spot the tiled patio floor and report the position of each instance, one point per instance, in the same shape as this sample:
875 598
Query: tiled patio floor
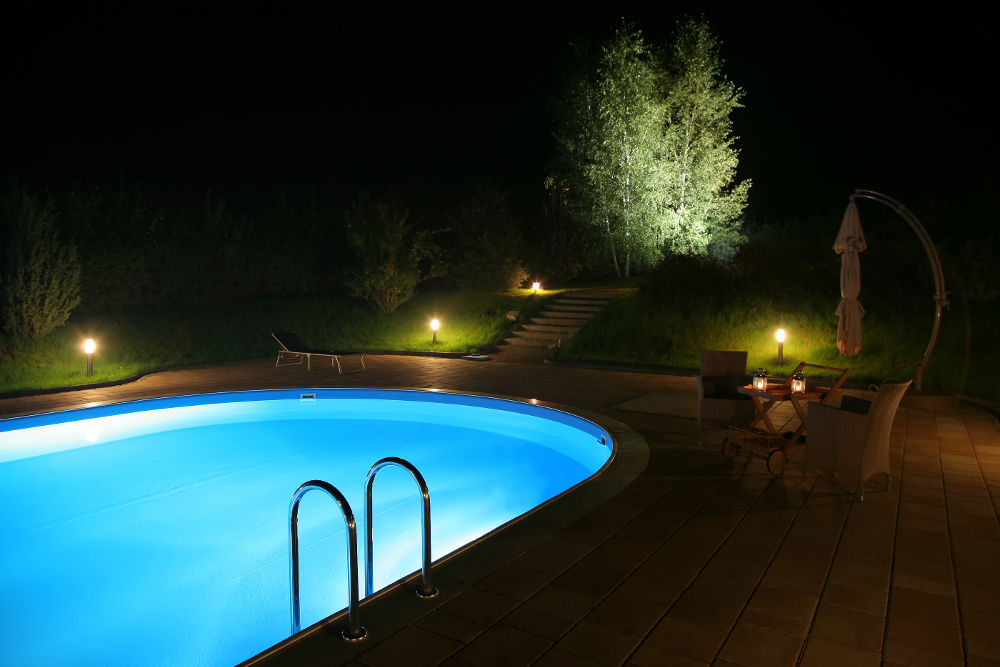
701 560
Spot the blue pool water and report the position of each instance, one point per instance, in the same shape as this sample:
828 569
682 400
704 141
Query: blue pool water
156 532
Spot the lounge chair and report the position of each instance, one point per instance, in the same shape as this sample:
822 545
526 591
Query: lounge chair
722 372
852 441
293 351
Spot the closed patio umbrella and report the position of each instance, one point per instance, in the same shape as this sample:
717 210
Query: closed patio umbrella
850 241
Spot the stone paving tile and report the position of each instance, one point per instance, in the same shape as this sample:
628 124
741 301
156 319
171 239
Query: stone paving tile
848 626
554 555
561 603
780 611
797 575
556 658
480 606
502 645
825 653
602 644
448 625
756 647
412 646
859 598
651 656
982 635
938 609
515 581
687 639
537 623
915 642
711 603
627 612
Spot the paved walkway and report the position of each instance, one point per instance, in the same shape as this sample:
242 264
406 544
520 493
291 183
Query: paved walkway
701 560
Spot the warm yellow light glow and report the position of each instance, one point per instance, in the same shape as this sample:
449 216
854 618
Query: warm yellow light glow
89 346
434 325
536 286
760 383
798 386
781 335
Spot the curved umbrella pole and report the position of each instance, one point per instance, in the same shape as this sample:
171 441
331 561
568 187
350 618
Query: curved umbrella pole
940 294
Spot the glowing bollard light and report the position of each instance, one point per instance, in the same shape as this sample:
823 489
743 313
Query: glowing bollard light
781 346
536 287
89 346
434 331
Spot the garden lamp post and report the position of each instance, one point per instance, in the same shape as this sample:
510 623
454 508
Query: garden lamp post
781 346
434 331
536 287
89 346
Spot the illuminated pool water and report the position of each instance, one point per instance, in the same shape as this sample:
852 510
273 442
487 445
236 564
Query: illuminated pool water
156 532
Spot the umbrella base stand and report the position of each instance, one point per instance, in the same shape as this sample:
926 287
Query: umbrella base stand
930 401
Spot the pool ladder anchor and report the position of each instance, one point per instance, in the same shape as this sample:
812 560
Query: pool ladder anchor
355 632
426 589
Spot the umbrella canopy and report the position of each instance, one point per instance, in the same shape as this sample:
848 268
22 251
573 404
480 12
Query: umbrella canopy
850 241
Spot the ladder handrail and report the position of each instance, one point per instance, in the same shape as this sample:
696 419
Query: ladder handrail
354 631
426 589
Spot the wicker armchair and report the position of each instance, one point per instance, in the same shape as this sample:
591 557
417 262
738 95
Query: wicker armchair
721 373
853 444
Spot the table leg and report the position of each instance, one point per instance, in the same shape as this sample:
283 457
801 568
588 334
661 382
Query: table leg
762 410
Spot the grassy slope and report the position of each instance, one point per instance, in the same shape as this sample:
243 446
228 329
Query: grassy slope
644 329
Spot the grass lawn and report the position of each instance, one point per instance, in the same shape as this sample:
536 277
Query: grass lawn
140 341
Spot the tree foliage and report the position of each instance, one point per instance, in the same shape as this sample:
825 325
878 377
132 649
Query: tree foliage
41 274
393 257
610 135
646 149
488 244
703 204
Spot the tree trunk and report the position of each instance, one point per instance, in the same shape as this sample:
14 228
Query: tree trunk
611 247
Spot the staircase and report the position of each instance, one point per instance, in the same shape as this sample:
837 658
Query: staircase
536 340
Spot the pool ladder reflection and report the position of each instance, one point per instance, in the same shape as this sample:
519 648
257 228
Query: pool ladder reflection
355 631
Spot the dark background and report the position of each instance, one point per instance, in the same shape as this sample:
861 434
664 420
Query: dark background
436 100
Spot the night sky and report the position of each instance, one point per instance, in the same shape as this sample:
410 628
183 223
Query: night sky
434 101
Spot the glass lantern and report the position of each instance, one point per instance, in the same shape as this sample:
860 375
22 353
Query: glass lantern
798 382
760 380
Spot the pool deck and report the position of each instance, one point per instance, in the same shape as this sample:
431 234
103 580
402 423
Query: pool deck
700 560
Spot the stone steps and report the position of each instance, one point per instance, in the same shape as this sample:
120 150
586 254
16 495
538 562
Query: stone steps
537 339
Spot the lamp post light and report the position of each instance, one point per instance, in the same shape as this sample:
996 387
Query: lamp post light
89 346
536 287
434 331
781 346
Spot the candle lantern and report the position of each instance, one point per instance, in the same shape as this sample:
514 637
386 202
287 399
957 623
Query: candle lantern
760 380
798 382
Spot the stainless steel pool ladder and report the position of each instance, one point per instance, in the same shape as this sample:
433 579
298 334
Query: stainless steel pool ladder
354 631
426 588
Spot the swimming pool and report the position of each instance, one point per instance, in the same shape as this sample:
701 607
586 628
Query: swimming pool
156 532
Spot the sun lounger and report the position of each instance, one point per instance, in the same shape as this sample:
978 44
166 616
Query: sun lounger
294 351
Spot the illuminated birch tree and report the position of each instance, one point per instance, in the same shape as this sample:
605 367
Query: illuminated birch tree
611 136
703 205
647 151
